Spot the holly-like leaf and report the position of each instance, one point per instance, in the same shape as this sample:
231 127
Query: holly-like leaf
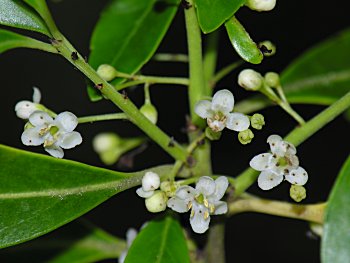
39 193
213 13
78 242
336 234
15 13
242 42
160 241
128 33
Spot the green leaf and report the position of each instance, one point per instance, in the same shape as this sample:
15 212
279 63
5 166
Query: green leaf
321 75
15 13
39 193
213 13
78 242
128 33
242 43
336 234
10 40
160 241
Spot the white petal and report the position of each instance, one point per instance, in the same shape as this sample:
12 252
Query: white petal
261 162
276 144
55 151
216 125
36 95
198 222
290 148
178 205
130 236
294 161
203 109
220 208
185 192
237 122
31 137
223 101
40 118
69 140
297 176
268 180
24 109
206 185
144 194
221 184
150 181
67 121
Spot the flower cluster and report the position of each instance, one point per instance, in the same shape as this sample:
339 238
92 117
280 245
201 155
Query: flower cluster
281 163
204 200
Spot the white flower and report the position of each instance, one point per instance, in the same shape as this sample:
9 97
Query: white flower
25 108
218 112
130 237
150 182
204 200
281 163
54 134
261 5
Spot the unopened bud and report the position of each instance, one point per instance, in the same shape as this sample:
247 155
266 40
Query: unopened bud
250 80
150 181
150 112
297 192
107 72
157 202
261 5
212 135
272 79
257 121
267 48
246 136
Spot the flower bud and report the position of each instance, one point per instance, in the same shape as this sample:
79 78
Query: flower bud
212 135
257 121
250 80
261 5
150 112
297 192
272 79
169 188
106 72
268 48
246 136
150 181
105 141
157 202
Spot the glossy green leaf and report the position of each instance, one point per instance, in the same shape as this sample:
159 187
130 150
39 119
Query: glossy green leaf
160 241
10 40
128 33
242 42
336 234
15 13
39 193
213 13
78 242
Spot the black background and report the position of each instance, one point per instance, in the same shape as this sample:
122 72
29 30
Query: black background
293 26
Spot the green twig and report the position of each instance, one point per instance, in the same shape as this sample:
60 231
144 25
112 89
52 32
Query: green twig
103 117
225 71
165 57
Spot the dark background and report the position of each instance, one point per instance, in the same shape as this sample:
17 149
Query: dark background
293 26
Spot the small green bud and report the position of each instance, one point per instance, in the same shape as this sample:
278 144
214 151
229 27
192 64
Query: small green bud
246 136
169 188
107 72
212 135
257 121
150 112
272 79
157 202
250 80
297 192
268 48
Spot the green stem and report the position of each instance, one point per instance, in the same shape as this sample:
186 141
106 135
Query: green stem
225 71
296 137
210 60
165 57
147 94
312 213
154 79
215 248
103 117
194 42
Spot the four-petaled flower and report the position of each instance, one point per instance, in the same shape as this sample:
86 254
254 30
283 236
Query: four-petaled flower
55 134
218 112
281 163
25 108
204 200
